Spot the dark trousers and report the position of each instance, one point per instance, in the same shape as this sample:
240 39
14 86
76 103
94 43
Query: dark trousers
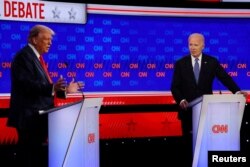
32 140
187 138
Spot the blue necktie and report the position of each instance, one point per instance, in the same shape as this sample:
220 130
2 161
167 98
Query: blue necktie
196 70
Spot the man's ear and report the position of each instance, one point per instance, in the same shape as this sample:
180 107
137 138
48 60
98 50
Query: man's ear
34 41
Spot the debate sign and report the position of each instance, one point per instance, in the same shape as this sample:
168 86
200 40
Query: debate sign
41 11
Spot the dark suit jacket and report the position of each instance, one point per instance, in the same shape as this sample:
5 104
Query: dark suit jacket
184 85
30 88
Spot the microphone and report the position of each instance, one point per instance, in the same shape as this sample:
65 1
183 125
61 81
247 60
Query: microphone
79 83
219 86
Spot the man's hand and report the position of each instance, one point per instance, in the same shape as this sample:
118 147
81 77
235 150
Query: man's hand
60 85
74 87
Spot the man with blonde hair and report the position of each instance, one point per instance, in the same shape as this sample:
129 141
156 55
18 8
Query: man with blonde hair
33 90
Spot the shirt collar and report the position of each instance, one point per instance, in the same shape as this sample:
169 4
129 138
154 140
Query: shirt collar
34 50
193 58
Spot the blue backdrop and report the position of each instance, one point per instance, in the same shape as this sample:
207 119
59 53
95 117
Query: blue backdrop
131 53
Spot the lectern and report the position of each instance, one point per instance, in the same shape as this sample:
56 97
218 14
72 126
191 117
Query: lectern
216 125
74 134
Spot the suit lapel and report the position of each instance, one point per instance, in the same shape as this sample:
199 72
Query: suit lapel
204 66
189 68
38 65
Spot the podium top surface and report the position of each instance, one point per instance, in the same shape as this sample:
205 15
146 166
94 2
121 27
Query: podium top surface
58 108
218 98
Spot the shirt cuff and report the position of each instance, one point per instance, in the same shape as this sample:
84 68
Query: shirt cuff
182 101
53 91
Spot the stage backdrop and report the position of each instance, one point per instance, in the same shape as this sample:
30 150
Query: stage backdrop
125 49
133 48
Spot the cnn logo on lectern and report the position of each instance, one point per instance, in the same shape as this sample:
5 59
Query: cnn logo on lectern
220 128
91 137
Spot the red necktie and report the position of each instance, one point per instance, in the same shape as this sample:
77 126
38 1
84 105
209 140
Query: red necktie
45 68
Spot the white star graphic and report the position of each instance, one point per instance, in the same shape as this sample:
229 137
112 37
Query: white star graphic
72 14
56 13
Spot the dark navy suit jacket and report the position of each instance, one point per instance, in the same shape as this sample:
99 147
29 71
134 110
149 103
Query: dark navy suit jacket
30 88
184 85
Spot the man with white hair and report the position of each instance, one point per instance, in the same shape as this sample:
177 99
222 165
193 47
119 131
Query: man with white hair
193 77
